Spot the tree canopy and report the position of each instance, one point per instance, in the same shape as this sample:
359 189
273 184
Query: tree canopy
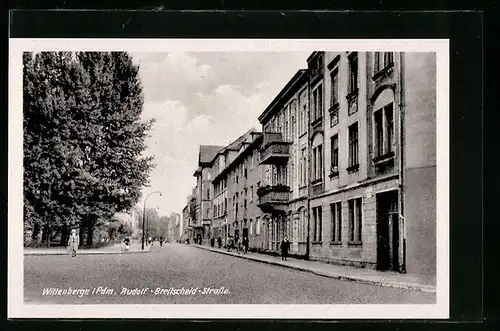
83 138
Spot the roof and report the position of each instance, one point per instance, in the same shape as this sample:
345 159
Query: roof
235 145
249 147
207 153
290 87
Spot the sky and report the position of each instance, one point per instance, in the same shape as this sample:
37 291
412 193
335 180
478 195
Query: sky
204 98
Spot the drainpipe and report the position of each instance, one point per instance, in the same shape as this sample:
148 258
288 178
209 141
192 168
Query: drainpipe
401 144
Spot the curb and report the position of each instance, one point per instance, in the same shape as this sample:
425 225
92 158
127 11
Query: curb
83 253
407 286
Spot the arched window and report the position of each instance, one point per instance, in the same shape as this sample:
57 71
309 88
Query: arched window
383 124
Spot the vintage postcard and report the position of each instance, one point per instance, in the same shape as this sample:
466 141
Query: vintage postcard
203 178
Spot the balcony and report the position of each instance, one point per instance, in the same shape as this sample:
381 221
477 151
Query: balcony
274 149
206 221
273 198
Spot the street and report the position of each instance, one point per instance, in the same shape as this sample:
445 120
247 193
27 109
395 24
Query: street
135 277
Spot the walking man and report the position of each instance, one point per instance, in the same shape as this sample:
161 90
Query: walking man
73 242
219 242
245 244
285 245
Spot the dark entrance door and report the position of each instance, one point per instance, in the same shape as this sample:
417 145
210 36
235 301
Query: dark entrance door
387 231
245 232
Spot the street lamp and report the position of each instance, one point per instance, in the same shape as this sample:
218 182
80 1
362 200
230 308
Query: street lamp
144 215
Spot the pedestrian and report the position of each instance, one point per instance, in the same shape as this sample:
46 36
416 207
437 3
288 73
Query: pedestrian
245 244
161 241
229 243
237 243
219 242
212 242
285 245
126 245
73 242
150 242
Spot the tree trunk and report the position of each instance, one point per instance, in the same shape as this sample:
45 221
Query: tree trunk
81 233
36 232
45 234
64 235
90 231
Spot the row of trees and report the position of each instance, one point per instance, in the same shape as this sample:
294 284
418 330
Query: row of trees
158 226
83 141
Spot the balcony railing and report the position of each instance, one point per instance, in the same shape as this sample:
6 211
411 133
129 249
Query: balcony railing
272 198
274 149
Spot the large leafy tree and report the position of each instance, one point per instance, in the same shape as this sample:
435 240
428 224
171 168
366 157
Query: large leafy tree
83 139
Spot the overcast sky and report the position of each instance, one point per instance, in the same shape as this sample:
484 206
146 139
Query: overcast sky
203 98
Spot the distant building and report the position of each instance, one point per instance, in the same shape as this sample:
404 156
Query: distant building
203 191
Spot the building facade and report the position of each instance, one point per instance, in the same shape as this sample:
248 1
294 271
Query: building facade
236 177
345 167
203 192
284 196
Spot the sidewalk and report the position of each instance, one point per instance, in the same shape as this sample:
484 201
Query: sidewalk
360 275
112 249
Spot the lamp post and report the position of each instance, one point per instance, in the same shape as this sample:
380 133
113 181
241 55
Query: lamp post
144 215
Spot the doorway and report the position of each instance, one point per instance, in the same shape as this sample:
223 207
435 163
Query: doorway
388 238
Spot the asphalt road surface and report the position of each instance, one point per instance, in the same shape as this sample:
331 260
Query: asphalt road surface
158 277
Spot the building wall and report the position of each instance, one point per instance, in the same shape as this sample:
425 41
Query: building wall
420 161
362 254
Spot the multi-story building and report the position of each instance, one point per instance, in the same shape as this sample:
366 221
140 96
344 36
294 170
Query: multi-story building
185 228
347 167
236 177
203 193
360 140
283 195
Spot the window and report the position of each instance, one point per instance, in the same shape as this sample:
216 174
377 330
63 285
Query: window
353 145
293 119
318 103
382 60
251 193
389 120
320 162
257 225
334 99
225 206
334 117
286 131
336 217
384 131
379 133
313 161
251 227
353 72
355 220
317 219
304 118
334 141
244 198
317 161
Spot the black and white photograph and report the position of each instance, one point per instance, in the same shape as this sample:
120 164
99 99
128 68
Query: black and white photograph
228 178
